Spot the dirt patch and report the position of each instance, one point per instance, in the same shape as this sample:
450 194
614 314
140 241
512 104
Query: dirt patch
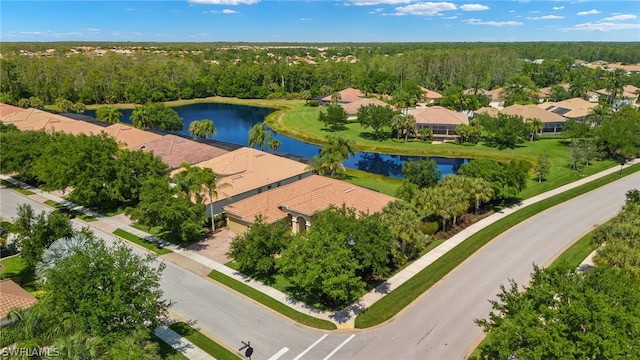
215 247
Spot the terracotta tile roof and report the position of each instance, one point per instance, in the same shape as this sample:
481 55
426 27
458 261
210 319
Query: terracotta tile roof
573 108
438 115
496 94
248 169
175 150
307 196
74 127
347 95
630 91
533 111
491 111
6 109
430 94
13 296
34 119
130 136
352 107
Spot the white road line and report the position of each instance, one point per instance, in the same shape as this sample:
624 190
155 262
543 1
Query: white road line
339 347
279 353
310 347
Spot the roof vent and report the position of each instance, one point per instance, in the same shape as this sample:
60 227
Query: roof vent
259 155
236 177
349 189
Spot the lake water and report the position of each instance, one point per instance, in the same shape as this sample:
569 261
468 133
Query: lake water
234 122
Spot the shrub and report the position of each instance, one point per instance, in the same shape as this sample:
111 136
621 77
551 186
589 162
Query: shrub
429 227
313 103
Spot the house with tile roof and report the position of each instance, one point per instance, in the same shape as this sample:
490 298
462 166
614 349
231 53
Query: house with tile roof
346 96
495 96
553 123
574 108
6 109
246 172
35 119
440 120
486 110
352 108
129 136
430 96
296 203
175 150
12 296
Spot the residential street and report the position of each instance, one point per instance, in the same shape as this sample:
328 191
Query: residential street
437 326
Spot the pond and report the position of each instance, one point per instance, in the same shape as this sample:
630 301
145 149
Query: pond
234 122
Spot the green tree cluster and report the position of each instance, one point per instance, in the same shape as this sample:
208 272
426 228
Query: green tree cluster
503 131
329 160
506 179
376 117
156 116
335 117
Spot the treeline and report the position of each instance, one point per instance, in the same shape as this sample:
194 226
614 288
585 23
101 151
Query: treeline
199 70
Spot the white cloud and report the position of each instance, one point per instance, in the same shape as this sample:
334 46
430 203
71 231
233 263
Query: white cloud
512 11
603 26
31 32
473 7
305 19
229 11
425 8
224 2
556 8
93 29
492 22
450 17
546 17
590 12
377 2
620 17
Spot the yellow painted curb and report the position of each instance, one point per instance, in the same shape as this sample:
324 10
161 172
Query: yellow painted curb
346 326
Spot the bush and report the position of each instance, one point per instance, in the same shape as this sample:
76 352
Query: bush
429 227
313 103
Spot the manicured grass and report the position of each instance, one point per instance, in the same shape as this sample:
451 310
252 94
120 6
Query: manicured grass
398 299
15 268
156 230
383 184
268 301
135 239
200 340
78 214
16 188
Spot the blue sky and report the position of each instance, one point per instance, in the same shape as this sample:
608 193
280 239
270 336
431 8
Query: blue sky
320 20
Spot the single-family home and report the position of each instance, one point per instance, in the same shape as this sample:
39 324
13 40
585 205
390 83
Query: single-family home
131 137
495 96
592 96
175 150
440 120
296 203
553 123
35 119
486 110
574 108
430 96
6 109
345 96
12 296
352 108
246 172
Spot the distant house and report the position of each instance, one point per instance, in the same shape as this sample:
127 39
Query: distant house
441 121
296 203
430 96
545 92
12 296
352 108
553 123
246 172
175 150
575 108
487 110
495 96
592 96
346 96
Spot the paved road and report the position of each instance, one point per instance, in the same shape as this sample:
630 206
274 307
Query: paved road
438 326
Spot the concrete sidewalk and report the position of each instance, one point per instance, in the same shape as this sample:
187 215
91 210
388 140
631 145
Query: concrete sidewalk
182 345
344 318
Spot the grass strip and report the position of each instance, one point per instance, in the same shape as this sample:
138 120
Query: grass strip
137 240
78 214
166 351
392 303
15 268
16 188
203 342
268 301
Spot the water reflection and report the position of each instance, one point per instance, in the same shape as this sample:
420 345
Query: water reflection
234 122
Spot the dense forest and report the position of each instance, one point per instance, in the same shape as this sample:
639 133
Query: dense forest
140 73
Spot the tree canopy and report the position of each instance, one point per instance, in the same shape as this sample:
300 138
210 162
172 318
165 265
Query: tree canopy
156 116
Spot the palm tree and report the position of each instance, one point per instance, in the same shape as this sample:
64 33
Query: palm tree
63 105
273 143
397 123
207 179
109 114
346 148
202 129
79 108
535 126
60 250
408 125
259 135
188 181
403 221
481 191
80 346
615 84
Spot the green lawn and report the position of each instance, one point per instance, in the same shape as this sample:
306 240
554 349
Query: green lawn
78 214
15 268
16 188
383 184
203 342
135 239
269 302
398 299
166 351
